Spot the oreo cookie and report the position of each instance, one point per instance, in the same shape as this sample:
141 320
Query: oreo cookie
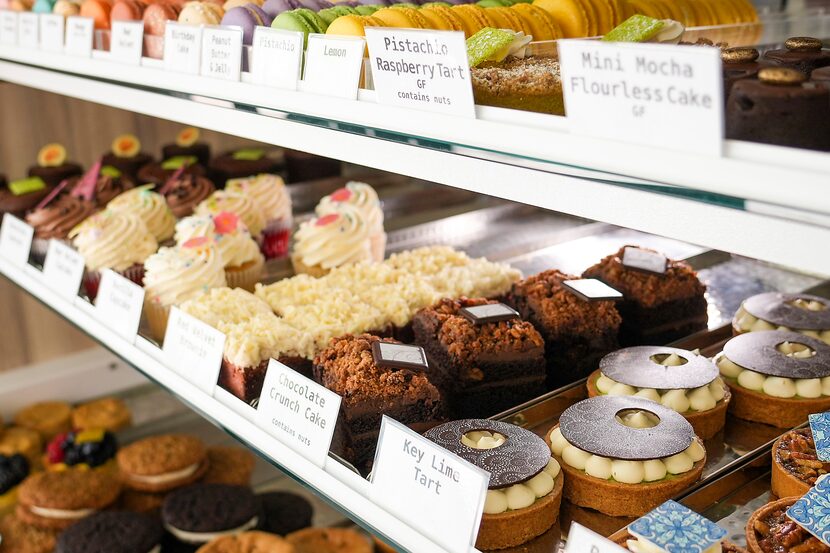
196 514
112 532
284 512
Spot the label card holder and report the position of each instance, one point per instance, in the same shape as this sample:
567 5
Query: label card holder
222 52
8 27
28 30
583 540
63 269
276 57
428 487
643 93
79 36
15 240
298 412
417 69
193 349
119 303
127 41
182 48
51 32
333 65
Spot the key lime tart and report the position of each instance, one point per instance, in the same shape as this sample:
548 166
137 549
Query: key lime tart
625 455
802 313
679 379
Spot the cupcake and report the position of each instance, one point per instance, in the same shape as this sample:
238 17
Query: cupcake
150 207
271 195
241 204
52 166
332 240
115 240
184 192
187 144
173 275
126 155
242 163
239 252
18 197
159 172
108 184
54 219
364 198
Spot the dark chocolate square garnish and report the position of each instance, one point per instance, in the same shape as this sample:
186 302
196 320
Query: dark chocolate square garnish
591 289
399 356
488 313
644 260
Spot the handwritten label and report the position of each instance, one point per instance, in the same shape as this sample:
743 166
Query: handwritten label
126 41
8 27
582 540
644 93
425 485
79 36
119 303
277 57
182 48
333 65
63 269
193 349
298 412
15 240
418 69
28 30
51 32
222 52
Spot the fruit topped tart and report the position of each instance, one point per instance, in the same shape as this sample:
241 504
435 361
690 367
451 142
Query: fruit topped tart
81 449
795 463
126 155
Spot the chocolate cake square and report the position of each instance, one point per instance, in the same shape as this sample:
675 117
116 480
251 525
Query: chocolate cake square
577 331
483 357
659 306
243 382
369 391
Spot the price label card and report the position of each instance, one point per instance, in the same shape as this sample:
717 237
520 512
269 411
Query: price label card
298 412
644 93
119 303
126 41
277 57
419 69
333 65
79 36
193 349
63 269
425 485
182 48
51 32
28 30
582 540
222 52
15 240
8 27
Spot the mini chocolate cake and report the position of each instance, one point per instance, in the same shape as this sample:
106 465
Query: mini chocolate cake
18 200
662 302
822 76
482 355
802 53
577 331
241 163
128 166
376 377
301 166
780 108
738 64
199 150
53 176
158 173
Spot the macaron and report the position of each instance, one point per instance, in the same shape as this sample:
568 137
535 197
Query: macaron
200 13
300 20
43 6
439 21
474 18
495 3
353 25
107 413
197 514
127 10
400 17
248 17
113 532
231 4
99 11
508 19
436 11
248 542
229 465
162 463
48 418
316 5
368 9
156 17
276 7
542 25
329 540
20 537
330 14
56 500
28 443
569 14
284 512
66 8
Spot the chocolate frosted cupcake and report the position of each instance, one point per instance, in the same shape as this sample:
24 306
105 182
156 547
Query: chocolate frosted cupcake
56 219
242 163
17 197
187 144
159 172
126 155
801 53
52 166
185 192
109 184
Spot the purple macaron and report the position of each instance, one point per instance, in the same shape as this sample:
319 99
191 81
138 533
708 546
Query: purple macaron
248 17
276 7
316 5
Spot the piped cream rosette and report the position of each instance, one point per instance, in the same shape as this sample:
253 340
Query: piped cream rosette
333 240
802 313
362 197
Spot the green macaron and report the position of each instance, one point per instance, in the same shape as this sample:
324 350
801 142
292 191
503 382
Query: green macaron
368 9
330 14
300 20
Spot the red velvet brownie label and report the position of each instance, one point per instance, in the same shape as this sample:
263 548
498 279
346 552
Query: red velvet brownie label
399 356
298 412
277 57
591 289
193 349
488 313
127 41
15 239
119 303
432 489
63 269
644 260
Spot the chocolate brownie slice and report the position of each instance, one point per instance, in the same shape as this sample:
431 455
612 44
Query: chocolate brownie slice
484 366
577 332
657 308
348 368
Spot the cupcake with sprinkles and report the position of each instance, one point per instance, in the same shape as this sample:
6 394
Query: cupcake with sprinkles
271 195
148 206
339 238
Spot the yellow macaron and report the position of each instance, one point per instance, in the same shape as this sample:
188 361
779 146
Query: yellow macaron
400 17
543 26
569 14
353 25
505 18
437 12
473 18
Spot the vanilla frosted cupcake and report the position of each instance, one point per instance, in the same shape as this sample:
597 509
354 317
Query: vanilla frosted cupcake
270 194
150 207
113 240
243 205
332 240
177 274
364 198
239 251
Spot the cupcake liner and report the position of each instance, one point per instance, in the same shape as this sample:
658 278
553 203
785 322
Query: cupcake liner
92 279
245 276
156 314
275 238
301 268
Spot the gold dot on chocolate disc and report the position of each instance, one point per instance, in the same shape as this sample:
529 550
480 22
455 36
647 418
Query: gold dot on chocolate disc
802 43
781 76
739 55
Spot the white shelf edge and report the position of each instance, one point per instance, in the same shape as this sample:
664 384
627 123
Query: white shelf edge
329 483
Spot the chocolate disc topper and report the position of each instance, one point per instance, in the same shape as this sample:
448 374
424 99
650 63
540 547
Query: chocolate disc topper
779 309
399 356
522 456
592 289
592 426
488 313
758 351
646 261
634 366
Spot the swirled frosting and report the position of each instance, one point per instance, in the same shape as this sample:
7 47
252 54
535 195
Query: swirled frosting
268 192
360 196
173 275
186 192
775 386
150 207
108 187
113 240
747 322
241 204
60 216
334 239
234 242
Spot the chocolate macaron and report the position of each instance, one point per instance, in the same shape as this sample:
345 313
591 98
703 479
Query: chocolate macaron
112 532
162 463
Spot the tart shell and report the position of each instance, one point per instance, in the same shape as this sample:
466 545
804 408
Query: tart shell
618 499
705 423
622 536
512 528
784 483
776 411
751 536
